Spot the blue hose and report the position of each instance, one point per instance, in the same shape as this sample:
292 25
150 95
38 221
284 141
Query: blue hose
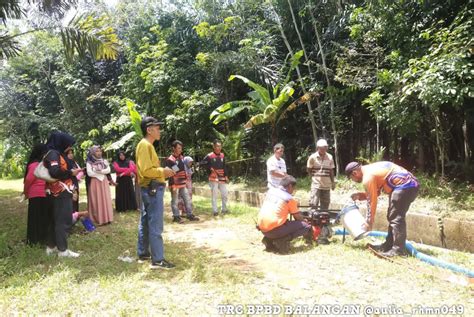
422 256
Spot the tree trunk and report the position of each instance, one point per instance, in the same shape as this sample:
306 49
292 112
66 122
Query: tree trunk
308 63
300 78
331 100
439 141
421 156
467 152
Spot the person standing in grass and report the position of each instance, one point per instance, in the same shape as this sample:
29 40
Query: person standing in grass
177 183
125 170
151 177
98 198
320 167
58 144
188 164
402 188
276 166
71 163
215 163
39 208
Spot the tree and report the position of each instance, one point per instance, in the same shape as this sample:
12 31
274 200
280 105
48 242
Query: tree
85 34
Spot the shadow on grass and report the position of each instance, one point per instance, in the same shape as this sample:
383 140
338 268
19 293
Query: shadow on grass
20 264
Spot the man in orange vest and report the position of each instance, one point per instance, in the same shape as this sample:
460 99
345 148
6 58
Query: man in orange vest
273 220
177 183
215 163
402 188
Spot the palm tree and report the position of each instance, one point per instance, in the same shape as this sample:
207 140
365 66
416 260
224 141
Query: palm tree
265 105
84 35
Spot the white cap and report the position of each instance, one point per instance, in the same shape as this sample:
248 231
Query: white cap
321 143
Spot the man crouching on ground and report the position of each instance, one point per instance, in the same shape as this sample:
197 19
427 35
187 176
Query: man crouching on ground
278 231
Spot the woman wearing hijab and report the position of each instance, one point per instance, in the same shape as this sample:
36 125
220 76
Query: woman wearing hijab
98 198
39 209
59 143
124 191
71 163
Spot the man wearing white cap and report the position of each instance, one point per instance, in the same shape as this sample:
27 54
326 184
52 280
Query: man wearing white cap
321 166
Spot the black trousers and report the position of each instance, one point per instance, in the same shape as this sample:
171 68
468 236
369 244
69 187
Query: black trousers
62 220
400 201
40 214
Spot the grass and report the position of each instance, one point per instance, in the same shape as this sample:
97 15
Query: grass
219 261
33 282
444 199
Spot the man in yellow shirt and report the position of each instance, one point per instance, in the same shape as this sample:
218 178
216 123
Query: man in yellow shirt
273 220
151 178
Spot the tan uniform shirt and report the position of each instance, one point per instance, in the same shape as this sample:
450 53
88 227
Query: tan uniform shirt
321 168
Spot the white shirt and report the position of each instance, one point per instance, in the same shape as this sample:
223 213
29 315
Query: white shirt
274 164
100 175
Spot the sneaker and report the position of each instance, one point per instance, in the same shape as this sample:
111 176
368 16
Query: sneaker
192 217
379 247
282 245
68 254
394 252
163 264
215 214
51 251
143 258
225 212
178 219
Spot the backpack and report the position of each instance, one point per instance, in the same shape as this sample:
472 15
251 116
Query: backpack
42 171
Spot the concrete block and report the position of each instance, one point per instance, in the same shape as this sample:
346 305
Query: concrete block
459 234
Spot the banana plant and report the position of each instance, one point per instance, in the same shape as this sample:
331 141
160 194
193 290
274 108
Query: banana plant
265 105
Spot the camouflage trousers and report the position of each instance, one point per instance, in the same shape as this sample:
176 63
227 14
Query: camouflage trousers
320 198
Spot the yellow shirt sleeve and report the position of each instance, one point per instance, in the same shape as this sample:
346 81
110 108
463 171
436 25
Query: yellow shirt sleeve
148 164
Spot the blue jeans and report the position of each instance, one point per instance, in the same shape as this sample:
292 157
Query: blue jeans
150 228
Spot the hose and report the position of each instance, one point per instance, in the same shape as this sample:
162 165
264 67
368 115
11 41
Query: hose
422 256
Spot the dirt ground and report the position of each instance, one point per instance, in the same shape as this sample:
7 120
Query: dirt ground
338 273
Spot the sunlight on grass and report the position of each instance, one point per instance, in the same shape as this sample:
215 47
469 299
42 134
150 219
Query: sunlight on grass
219 261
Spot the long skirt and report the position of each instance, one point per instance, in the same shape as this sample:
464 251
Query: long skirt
40 213
125 194
100 202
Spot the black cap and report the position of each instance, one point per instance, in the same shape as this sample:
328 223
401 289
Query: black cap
351 167
148 122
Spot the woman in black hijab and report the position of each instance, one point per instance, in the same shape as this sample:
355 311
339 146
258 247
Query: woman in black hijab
59 143
124 191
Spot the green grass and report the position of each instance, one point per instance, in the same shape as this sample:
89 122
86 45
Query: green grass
219 261
33 282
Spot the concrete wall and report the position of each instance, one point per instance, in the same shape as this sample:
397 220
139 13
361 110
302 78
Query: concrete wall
459 235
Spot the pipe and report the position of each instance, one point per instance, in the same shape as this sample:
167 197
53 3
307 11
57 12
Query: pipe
422 256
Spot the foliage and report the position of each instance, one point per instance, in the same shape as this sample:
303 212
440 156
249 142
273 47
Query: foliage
11 156
377 74
91 35
265 105
87 34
